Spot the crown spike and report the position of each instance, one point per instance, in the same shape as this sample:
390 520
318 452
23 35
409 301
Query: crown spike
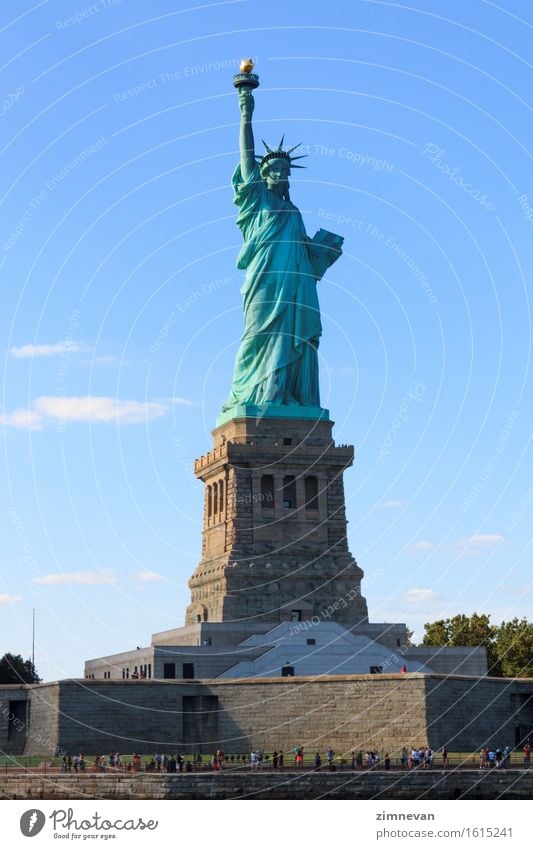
279 153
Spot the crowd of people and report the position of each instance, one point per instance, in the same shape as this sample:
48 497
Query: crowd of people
416 757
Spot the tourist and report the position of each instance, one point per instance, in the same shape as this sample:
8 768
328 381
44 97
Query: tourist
318 761
527 756
506 757
280 760
444 751
172 764
404 758
188 766
387 761
253 761
299 752
275 760
259 758
158 760
330 755
359 760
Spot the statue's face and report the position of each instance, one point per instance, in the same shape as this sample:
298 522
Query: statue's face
276 174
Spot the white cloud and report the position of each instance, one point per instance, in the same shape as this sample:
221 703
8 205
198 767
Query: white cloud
421 596
422 545
146 577
56 350
392 504
477 544
88 408
23 418
9 599
485 539
104 577
468 546
176 400
105 359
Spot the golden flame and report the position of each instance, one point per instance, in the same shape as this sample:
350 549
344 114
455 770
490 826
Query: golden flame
247 65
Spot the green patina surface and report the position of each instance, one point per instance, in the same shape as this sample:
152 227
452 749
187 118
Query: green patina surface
276 368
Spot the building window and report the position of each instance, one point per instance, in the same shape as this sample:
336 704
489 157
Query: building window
215 499
127 672
287 440
149 670
209 502
287 671
169 670
376 670
221 496
398 642
311 641
188 670
267 491
311 492
123 673
16 713
296 615
289 492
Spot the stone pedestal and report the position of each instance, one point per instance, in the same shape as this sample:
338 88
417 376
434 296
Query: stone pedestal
274 541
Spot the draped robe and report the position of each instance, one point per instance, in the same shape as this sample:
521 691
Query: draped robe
277 362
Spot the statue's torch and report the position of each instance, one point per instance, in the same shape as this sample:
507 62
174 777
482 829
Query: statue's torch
245 80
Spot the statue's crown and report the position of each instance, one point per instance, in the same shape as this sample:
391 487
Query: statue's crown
279 153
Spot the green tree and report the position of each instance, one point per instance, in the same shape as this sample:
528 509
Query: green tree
514 647
462 630
15 670
509 646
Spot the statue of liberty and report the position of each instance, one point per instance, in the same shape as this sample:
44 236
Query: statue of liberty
277 363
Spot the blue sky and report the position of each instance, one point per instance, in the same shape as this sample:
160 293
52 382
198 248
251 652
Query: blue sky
121 308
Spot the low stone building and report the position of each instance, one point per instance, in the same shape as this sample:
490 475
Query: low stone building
347 712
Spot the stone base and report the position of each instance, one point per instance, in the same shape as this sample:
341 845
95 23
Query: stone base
272 411
274 541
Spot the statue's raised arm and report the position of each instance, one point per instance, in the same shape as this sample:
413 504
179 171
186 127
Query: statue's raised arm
246 138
